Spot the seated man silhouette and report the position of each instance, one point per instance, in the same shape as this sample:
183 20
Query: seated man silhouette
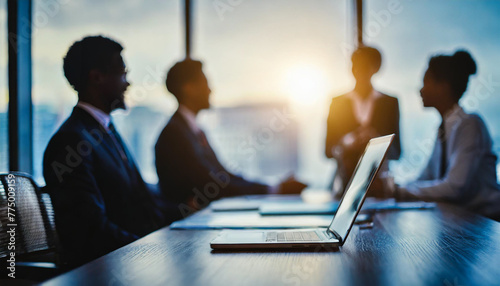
100 199
189 172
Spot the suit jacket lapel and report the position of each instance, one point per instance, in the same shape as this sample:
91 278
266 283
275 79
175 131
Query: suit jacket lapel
184 126
379 112
207 151
351 113
107 142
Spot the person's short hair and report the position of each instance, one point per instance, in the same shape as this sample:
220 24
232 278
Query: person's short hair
93 52
181 73
370 55
454 70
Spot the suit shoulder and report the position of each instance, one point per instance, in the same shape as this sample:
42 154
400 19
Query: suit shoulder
388 101
73 132
71 129
172 126
340 100
67 137
389 98
171 131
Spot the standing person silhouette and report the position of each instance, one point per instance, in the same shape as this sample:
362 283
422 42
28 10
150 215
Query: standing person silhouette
358 116
462 167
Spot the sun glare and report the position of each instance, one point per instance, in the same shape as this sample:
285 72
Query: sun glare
305 84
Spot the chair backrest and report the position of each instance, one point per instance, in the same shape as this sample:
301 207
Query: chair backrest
27 211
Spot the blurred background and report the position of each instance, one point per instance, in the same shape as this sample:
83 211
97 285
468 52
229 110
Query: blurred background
266 60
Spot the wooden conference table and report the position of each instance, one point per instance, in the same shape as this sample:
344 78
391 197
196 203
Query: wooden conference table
440 246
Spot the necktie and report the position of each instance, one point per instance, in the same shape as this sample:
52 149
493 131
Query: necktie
442 140
209 151
118 142
142 197
204 143
203 139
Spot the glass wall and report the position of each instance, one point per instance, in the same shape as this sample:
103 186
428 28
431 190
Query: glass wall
152 35
261 57
408 33
4 101
278 60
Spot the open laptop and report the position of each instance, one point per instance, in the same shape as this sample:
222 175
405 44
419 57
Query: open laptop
337 232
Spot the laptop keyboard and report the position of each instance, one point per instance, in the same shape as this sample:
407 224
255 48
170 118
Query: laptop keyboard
292 236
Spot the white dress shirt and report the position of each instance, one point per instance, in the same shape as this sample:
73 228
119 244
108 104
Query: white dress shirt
190 118
362 110
99 115
104 120
363 107
470 178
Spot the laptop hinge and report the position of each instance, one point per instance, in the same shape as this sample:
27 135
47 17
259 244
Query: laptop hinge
335 234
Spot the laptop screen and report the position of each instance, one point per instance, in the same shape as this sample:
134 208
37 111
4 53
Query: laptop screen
356 190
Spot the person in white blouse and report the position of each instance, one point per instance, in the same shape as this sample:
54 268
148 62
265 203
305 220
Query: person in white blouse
462 167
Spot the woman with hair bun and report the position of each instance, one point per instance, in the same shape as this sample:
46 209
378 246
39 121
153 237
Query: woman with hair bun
462 167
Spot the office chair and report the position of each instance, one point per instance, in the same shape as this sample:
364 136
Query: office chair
26 208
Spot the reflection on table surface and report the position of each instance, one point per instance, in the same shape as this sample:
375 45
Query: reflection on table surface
438 246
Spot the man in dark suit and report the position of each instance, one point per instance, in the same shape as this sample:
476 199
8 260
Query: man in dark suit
358 116
190 175
100 199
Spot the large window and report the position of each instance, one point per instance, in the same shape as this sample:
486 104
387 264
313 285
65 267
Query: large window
265 58
150 31
408 33
4 101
